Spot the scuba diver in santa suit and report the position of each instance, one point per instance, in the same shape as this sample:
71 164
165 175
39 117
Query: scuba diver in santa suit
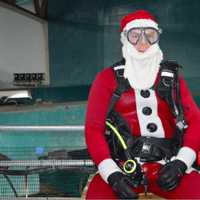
161 117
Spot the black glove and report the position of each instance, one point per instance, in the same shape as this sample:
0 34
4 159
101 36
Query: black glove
122 185
170 174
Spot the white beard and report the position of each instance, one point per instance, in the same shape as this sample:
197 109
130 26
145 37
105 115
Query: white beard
141 69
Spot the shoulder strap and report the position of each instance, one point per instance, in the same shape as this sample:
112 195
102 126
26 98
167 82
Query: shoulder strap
122 84
168 82
168 88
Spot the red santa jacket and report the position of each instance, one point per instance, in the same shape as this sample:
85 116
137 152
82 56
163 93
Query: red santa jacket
146 113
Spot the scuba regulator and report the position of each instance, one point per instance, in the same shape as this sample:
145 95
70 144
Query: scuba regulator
129 165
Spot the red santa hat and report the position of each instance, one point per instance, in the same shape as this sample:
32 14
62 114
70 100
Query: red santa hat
140 18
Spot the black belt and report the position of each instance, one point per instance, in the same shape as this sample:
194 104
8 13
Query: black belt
148 149
152 149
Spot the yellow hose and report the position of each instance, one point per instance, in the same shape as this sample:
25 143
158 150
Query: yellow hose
117 134
129 162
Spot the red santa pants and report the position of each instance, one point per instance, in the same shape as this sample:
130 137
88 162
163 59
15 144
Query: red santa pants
189 188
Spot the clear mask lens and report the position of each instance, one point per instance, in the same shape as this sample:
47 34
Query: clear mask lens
150 35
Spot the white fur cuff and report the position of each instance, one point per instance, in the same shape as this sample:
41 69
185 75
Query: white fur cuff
187 155
107 167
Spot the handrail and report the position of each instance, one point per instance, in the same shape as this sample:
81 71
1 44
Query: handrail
47 163
42 128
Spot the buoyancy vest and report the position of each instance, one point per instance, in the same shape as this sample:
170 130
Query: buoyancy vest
147 148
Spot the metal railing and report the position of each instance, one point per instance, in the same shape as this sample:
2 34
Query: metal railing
44 163
42 128
12 170
47 163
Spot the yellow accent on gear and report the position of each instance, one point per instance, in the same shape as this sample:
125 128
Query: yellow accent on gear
134 165
117 134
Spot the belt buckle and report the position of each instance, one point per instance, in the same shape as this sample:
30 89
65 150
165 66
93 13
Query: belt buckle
146 147
145 152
